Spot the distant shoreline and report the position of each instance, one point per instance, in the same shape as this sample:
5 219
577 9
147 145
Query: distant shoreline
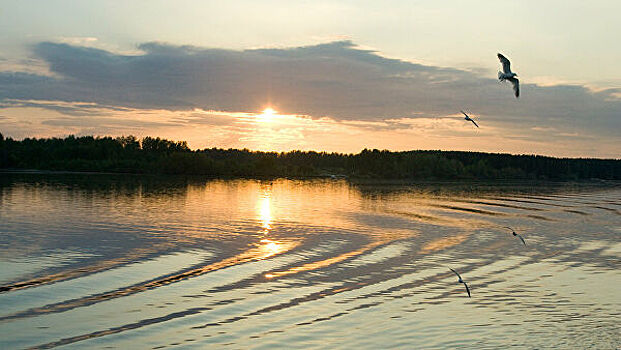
353 180
61 172
154 156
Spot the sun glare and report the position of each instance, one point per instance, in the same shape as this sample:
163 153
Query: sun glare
265 213
267 115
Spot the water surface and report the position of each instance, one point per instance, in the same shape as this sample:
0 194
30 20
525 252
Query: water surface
93 261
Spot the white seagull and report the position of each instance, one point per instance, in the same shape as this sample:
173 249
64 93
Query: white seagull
461 281
516 234
468 118
508 74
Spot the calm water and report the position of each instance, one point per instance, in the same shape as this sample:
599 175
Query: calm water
126 262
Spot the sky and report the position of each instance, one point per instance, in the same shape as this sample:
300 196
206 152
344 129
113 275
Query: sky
317 75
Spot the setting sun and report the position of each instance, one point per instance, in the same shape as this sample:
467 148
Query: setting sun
267 114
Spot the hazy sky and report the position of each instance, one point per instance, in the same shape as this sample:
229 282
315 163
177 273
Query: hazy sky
341 75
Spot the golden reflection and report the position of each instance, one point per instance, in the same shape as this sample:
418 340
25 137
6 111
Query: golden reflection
268 248
443 243
265 212
271 246
324 263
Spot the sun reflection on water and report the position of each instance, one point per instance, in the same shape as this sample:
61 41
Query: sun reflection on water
265 211
271 247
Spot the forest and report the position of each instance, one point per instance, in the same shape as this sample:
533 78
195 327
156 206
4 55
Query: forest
148 155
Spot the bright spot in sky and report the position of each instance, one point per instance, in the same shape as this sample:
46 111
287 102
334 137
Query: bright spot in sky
267 115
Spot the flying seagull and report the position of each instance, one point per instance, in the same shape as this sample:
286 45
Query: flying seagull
516 234
468 118
461 281
508 74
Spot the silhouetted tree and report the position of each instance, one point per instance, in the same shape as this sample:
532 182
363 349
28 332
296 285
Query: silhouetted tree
156 155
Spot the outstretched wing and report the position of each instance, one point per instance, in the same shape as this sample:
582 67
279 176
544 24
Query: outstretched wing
516 86
522 239
455 272
468 118
467 290
506 65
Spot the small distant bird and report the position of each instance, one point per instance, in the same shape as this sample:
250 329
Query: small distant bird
508 74
469 119
461 281
516 234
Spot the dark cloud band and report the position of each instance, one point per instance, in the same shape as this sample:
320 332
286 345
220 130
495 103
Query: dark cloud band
335 79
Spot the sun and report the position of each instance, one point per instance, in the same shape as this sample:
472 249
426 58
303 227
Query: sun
267 115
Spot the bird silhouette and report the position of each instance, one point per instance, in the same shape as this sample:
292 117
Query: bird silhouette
507 74
516 234
461 281
469 119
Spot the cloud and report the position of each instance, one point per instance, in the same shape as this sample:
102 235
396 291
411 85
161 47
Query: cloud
78 40
68 108
337 80
203 129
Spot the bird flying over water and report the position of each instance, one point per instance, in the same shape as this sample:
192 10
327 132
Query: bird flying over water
516 234
461 281
469 119
507 74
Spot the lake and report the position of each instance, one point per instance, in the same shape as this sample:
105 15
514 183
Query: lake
124 261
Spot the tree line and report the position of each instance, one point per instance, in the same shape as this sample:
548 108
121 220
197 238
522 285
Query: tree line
149 155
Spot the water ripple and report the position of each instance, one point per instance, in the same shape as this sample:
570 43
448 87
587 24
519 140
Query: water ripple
306 264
